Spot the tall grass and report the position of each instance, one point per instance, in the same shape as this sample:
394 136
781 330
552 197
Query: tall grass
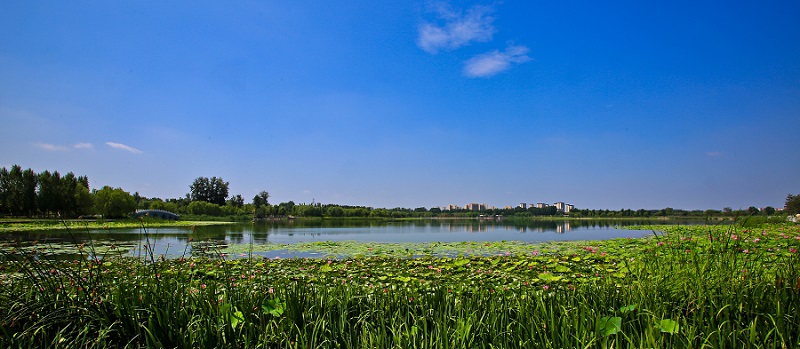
689 288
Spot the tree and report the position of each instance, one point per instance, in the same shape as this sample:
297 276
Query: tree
214 190
236 201
4 190
19 189
792 205
47 197
114 202
204 208
286 208
335 211
260 199
84 200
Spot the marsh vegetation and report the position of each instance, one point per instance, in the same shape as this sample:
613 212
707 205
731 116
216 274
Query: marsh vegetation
688 286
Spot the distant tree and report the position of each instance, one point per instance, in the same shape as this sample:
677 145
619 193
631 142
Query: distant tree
214 190
204 208
792 205
380 212
28 194
335 211
236 201
4 191
261 199
286 208
47 197
769 210
752 210
84 200
18 191
304 210
114 202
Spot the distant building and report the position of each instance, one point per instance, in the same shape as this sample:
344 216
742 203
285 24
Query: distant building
523 205
473 206
541 205
450 207
562 207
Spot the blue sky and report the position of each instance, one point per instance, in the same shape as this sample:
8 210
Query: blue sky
627 104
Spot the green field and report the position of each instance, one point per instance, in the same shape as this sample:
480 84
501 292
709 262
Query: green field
23 225
690 287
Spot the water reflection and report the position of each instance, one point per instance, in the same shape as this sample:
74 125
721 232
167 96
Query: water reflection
175 242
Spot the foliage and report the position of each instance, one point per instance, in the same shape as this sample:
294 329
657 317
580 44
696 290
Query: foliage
236 201
792 205
40 225
25 193
261 199
114 202
213 190
686 287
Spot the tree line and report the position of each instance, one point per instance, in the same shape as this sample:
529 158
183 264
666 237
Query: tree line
25 193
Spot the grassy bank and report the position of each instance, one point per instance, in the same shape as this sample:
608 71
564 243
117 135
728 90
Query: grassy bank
17 225
692 287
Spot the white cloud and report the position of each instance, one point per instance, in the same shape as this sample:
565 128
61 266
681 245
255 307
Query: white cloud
123 147
83 146
50 147
494 62
458 28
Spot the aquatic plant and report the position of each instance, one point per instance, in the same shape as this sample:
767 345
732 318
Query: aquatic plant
684 287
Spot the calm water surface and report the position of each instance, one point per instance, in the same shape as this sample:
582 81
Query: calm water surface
175 241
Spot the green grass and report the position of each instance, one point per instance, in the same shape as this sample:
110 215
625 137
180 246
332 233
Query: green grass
690 287
7 226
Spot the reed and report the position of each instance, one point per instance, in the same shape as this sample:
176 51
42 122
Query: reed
690 287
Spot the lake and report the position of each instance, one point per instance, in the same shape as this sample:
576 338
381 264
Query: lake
175 242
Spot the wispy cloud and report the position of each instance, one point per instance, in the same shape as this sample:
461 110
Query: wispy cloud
83 146
494 62
123 147
49 147
455 28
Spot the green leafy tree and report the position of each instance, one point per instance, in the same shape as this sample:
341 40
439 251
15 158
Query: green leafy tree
48 195
213 190
114 202
286 208
18 189
260 199
236 201
84 200
792 205
335 211
4 191
204 208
